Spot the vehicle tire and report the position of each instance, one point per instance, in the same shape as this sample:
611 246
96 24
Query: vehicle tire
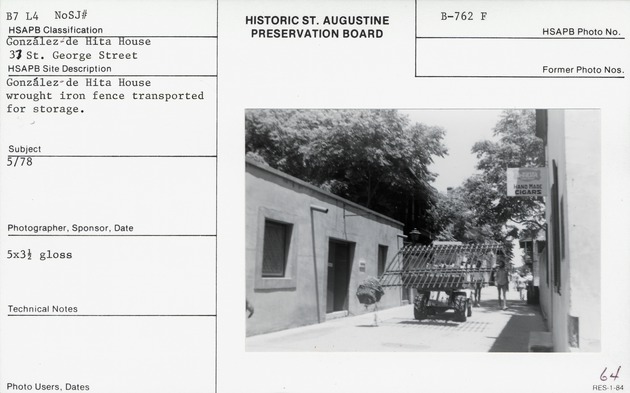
460 308
420 307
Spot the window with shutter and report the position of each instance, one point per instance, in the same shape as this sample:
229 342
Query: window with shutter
275 249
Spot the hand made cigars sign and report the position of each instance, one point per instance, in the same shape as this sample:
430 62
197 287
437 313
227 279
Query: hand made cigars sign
527 182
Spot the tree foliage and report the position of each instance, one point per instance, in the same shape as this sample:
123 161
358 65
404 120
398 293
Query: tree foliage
482 200
458 221
376 158
517 147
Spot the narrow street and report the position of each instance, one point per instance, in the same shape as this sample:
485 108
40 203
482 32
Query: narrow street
489 329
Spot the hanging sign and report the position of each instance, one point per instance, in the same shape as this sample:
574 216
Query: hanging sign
527 182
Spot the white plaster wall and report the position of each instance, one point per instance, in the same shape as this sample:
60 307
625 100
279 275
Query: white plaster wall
574 143
583 206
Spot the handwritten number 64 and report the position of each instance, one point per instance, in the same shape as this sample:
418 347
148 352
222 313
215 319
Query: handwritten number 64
614 376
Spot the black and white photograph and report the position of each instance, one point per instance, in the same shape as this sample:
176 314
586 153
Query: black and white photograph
422 230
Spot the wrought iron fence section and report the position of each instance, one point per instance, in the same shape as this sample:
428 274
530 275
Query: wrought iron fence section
440 267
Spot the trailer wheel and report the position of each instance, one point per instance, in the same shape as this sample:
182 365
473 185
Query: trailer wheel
420 307
460 308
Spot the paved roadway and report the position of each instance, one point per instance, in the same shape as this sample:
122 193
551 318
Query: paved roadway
489 329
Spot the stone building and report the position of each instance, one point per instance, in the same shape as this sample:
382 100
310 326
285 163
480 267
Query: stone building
307 251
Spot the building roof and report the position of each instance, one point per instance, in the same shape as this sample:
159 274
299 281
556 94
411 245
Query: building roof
251 163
